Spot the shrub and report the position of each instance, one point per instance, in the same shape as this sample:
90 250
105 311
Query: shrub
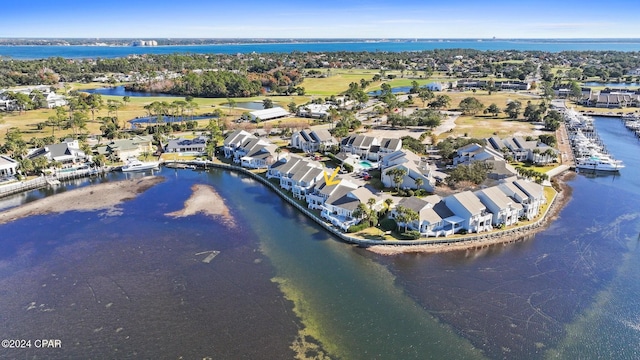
388 224
359 227
421 192
411 235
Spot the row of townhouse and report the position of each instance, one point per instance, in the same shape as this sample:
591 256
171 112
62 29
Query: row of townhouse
414 168
613 99
475 212
500 85
336 200
52 99
312 140
248 150
296 174
523 150
369 147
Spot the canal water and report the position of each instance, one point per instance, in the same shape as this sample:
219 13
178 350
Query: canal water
129 283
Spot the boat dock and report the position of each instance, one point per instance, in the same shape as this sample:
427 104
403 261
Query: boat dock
564 146
588 151
633 124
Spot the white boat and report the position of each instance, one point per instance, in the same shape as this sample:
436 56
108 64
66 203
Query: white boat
599 163
137 165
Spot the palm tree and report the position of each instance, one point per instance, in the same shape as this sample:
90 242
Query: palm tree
419 182
387 203
360 212
397 174
405 216
371 202
411 216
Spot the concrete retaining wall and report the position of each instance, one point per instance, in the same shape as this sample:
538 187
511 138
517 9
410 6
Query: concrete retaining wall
519 231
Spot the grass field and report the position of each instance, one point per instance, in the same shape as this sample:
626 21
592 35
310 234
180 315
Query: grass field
338 82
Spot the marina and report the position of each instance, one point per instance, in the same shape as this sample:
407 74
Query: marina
589 151
632 122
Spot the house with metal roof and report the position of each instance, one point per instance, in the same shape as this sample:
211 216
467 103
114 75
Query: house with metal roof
255 154
312 141
505 210
296 174
475 152
359 145
187 145
234 140
66 152
414 167
521 149
434 217
339 206
268 114
123 149
476 217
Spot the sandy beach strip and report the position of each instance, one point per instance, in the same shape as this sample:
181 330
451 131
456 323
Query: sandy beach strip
90 198
563 197
207 201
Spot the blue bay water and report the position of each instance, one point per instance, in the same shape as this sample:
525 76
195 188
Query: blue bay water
76 52
131 284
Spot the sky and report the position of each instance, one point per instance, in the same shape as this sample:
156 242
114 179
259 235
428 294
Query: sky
320 19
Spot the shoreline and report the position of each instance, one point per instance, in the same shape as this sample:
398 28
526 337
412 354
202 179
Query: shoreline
561 200
108 195
105 196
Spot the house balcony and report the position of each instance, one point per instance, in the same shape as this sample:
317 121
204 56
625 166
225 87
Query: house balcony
340 221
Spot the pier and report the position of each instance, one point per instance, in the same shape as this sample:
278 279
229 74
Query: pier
50 180
588 150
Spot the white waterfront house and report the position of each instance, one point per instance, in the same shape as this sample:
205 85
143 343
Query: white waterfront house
505 210
434 217
8 167
187 145
66 152
312 141
476 217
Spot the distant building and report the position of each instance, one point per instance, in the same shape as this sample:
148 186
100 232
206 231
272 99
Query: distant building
268 114
317 111
66 152
123 149
435 86
187 145
144 43
312 141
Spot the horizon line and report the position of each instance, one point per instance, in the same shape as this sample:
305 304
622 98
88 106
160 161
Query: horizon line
315 38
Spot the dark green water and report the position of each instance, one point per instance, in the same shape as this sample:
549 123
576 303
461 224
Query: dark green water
131 286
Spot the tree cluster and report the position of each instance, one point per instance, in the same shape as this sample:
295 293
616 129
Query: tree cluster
476 172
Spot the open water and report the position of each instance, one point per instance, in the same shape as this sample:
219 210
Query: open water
128 284
549 45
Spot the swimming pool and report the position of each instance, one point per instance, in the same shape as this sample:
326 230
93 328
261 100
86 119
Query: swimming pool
366 164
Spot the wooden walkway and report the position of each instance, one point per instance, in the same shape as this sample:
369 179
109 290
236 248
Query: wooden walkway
564 145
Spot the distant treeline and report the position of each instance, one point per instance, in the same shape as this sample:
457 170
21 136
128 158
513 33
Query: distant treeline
283 72
208 84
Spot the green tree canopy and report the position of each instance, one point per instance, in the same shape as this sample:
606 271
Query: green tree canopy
470 106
